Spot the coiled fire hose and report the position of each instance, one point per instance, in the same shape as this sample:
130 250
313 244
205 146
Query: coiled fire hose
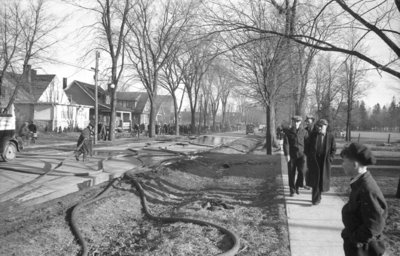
235 238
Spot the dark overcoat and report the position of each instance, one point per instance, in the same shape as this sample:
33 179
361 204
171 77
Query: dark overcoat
294 142
364 215
314 171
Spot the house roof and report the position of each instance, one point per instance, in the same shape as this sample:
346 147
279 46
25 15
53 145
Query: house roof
88 94
40 84
139 97
10 81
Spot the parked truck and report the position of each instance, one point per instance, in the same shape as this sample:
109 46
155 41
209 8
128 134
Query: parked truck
9 145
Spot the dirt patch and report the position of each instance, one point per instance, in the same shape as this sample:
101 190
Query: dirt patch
387 181
243 193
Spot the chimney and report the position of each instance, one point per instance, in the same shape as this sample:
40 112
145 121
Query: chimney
33 74
65 84
27 78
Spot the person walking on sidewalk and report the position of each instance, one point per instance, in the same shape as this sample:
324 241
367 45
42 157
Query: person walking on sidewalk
84 142
293 149
365 213
309 122
320 151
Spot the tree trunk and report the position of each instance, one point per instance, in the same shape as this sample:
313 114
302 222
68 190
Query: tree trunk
176 115
268 135
398 190
348 124
193 120
111 134
152 117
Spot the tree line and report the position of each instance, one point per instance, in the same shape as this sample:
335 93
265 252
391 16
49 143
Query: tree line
378 118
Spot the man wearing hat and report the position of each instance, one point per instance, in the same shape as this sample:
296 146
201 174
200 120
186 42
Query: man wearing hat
365 213
320 151
309 122
293 148
84 144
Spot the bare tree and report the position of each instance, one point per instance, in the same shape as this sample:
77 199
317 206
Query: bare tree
374 19
28 34
353 79
193 65
328 89
212 93
171 80
9 38
157 27
109 30
260 61
38 29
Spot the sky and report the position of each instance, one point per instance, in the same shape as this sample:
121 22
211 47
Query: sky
70 51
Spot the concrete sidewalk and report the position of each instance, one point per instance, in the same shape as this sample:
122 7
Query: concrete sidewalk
314 230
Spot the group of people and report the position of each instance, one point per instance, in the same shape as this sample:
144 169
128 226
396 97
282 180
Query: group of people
28 133
310 152
312 145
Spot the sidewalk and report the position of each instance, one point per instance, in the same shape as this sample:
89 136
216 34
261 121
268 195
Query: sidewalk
313 230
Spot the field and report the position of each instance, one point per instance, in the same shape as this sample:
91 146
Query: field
378 137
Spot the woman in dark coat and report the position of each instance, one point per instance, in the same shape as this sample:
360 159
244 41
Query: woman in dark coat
320 151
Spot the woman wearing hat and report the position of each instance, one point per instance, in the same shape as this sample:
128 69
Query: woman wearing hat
365 213
320 151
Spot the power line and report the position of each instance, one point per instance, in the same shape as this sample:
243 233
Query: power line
64 63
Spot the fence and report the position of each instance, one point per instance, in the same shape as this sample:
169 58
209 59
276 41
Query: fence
375 137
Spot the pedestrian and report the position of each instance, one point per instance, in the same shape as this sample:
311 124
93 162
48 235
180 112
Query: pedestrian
101 131
309 122
320 151
84 142
365 213
33 131
24 133
293 149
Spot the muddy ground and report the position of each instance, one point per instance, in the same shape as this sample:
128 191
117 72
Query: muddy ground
241 192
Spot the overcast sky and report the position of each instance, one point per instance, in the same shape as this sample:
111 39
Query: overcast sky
69 52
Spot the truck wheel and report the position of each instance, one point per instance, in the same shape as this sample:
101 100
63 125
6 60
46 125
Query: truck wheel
10 152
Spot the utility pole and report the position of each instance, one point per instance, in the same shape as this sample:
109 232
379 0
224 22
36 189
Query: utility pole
96 104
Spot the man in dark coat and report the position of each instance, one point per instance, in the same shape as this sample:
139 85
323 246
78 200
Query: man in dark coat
365 213
84 144
293 148
309 122
320 151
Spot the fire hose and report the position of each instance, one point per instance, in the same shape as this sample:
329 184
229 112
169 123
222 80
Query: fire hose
234 237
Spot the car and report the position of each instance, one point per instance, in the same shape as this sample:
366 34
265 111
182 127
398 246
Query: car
250 129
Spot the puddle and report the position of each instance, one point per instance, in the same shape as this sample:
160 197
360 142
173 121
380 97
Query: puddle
212 140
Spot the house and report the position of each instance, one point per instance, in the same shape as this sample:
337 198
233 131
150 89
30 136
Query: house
131 108
40 98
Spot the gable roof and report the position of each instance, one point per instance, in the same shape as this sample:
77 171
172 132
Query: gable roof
10 81
139 97
40 84
83 94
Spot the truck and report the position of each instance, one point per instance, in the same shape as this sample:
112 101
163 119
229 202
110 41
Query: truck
9 144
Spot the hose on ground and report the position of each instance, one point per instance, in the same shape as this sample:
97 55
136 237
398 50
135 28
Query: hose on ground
84 252
74 212
234 237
